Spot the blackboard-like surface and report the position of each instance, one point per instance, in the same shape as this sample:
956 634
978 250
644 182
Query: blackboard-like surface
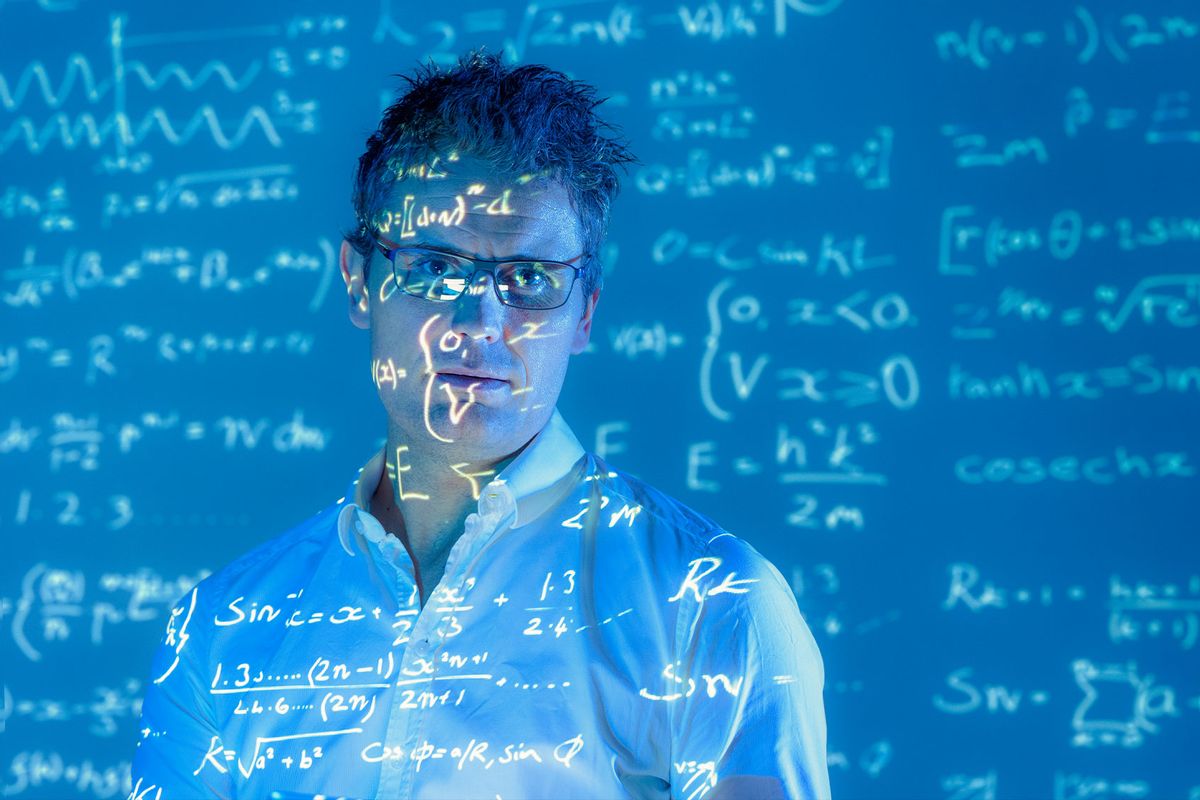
905 294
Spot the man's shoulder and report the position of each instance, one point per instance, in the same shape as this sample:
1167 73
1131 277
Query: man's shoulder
664 512
719 580
279 557
694 533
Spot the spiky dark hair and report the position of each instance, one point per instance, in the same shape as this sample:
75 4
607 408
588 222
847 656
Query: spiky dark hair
523 120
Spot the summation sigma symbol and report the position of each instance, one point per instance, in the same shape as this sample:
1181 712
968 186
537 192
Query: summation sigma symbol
1146 703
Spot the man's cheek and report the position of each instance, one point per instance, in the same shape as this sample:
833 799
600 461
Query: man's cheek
544 374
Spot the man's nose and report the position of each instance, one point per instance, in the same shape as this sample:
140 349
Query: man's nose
478 312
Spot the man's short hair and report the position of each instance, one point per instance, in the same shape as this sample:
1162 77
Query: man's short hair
524 120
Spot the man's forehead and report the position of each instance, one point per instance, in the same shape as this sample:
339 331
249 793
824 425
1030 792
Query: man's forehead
469 201
510 197
455 174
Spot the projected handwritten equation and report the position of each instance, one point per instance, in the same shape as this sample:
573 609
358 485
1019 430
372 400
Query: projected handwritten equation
906 295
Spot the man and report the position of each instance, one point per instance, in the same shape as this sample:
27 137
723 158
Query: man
490 611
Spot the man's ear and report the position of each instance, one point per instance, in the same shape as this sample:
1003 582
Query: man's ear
583 330
354 276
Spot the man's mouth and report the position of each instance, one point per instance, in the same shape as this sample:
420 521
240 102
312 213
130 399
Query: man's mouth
461 379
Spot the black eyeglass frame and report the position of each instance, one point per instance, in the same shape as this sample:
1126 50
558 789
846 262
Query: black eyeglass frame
390 254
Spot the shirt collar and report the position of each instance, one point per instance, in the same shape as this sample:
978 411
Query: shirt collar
532 483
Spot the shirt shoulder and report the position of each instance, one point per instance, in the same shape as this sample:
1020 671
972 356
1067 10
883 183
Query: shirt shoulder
282 556
666 515
695 534
698 558
714 575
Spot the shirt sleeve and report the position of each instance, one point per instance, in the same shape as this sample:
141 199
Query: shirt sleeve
749 719
179 754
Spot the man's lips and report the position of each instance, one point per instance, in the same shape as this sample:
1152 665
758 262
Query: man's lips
471 376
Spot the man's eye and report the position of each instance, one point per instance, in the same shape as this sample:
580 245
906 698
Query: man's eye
529 275
433 265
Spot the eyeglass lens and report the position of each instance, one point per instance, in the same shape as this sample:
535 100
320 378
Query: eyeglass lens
522 284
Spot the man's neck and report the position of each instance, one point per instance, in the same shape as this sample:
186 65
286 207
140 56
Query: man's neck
424 500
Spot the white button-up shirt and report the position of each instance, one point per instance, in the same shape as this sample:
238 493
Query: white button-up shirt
590 637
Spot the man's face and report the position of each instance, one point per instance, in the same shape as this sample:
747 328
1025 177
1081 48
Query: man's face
414 341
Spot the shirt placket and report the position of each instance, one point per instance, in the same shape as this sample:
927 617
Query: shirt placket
401 724
406 731
405 725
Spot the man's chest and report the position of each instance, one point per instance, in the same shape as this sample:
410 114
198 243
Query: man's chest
506 689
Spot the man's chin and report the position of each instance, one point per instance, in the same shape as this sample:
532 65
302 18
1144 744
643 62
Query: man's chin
477 421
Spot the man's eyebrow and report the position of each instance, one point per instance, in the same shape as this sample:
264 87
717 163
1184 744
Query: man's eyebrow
425 245
452 251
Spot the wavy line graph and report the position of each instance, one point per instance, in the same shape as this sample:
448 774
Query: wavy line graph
212 68
79 70
84 129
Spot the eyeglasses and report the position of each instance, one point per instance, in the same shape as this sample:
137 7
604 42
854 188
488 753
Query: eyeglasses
443 276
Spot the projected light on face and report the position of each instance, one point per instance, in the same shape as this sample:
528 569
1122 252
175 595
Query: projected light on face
476 307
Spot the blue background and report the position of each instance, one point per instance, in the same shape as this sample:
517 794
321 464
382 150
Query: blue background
905 294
